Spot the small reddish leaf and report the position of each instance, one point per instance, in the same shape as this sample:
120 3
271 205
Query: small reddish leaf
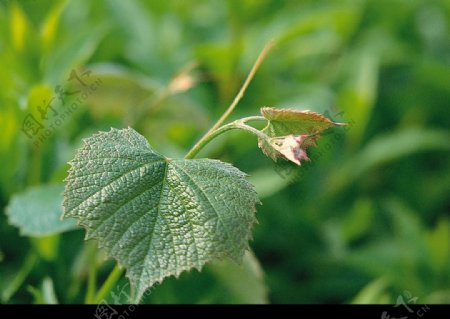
291 132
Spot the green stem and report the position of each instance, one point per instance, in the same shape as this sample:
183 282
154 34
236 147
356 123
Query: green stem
20 277
238 124
108 285
236 100
92 279
253 118
244 87
250 129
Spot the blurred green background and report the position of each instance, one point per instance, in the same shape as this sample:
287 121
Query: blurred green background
367 221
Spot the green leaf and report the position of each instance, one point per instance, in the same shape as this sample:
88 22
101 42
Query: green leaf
291 132
158 216
37 211
284 122
373 293
242 283
46 294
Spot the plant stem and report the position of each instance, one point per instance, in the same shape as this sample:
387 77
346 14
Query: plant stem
238 124
194 150
20 277
108 285
253 118
92 278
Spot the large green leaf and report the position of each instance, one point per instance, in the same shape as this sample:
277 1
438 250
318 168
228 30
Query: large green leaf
158 216
37 211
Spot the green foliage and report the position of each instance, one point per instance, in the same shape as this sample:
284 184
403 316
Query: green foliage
158 216
37 212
